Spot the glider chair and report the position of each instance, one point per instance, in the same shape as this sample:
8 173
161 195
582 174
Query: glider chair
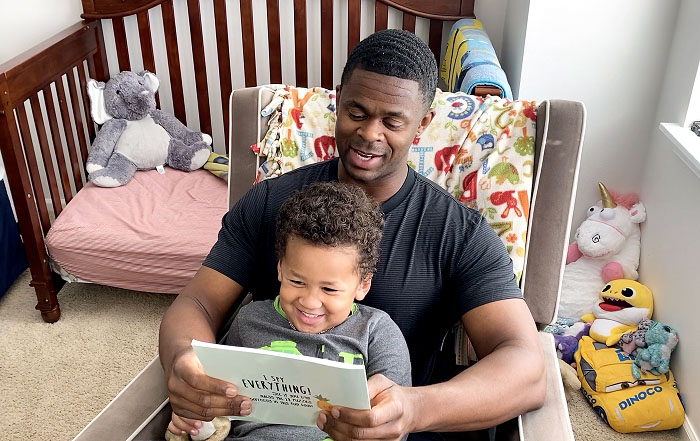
141 411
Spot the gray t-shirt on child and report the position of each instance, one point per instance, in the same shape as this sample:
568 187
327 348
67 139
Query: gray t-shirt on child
368 332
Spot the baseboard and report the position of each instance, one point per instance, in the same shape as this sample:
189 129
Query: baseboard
688 433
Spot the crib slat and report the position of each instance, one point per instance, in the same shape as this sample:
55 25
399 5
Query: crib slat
353 23
327 44
57 143
300 43
46 154
77 117
200 65
173 53
86 102
222 51
273 38
144 24
68 131
120 41
149 61
381 16
409 22
100 70
435 38
247 32
39 198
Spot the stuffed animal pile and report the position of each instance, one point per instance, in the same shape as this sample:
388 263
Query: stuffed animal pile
135 135
620 356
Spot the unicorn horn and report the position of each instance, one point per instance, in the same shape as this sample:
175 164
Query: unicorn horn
605 195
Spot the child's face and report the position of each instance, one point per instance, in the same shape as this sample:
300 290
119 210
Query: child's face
319 284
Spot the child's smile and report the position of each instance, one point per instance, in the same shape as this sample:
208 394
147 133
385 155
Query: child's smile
319 284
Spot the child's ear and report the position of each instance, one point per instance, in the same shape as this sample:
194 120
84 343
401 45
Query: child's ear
364 287
279 270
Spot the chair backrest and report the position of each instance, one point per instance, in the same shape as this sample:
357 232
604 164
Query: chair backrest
560 129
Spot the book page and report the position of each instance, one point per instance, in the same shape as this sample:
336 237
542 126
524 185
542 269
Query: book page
285 388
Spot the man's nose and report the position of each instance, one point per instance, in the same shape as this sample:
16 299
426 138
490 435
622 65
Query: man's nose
371 131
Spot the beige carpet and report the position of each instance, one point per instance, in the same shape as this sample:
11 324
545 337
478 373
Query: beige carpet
56 378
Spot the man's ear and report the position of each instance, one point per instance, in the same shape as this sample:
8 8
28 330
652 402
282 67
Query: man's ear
425 121
364 287
98 110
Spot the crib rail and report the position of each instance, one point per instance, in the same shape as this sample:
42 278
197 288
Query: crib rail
45 128
202 49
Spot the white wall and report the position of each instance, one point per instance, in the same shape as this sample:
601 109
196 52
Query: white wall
513 45
670 192
25 23
28 22
611 56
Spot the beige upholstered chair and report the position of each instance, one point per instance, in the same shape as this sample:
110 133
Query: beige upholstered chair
141 410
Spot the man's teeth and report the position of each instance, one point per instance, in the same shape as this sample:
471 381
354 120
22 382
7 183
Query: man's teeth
363 156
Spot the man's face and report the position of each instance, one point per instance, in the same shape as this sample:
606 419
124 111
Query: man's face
319 284
378 118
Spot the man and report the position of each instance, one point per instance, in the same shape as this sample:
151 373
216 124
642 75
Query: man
440 262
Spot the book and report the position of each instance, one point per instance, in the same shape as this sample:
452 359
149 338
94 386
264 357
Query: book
285 388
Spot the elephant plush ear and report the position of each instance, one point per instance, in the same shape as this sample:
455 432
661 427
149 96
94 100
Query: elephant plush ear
98 110
151 80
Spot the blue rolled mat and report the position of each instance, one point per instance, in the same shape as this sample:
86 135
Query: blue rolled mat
471 61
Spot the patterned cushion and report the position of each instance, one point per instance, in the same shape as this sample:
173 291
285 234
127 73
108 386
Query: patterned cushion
481 150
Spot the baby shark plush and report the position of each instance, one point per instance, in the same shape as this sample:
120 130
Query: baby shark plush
621 305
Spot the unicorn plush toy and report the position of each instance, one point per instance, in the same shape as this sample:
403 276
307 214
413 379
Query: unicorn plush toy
606 247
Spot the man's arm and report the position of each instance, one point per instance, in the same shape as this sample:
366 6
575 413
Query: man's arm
197 313
507 381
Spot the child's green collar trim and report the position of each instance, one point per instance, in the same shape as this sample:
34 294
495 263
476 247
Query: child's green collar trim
281 312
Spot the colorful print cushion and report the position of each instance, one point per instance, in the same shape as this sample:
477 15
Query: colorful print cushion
481 150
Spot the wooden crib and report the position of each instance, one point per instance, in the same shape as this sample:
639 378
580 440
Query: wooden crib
201 51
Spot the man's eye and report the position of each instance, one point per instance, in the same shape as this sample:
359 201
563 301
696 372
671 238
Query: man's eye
356 116
392 125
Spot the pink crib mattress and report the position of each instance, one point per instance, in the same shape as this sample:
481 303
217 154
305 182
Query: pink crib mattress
149 235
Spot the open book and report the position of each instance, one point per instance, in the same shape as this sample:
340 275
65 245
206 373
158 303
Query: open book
285 388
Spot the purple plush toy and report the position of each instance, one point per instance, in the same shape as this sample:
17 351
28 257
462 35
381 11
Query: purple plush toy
566 344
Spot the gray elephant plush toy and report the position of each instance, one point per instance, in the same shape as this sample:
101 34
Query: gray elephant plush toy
135 135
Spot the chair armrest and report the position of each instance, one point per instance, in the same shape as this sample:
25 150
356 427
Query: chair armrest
551 421
135 406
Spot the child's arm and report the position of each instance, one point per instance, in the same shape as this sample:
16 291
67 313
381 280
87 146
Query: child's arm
387 353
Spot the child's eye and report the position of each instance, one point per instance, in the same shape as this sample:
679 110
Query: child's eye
296 282
330 290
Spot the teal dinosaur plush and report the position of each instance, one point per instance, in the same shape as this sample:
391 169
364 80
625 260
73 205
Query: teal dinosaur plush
660 340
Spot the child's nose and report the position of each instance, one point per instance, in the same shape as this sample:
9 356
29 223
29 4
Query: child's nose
311 300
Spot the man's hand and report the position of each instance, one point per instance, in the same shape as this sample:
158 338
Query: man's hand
195 396
390 418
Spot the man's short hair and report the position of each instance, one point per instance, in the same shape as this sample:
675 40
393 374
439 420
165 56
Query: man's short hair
333 214
396 53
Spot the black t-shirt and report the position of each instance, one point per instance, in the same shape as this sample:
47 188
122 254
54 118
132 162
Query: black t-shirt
439 259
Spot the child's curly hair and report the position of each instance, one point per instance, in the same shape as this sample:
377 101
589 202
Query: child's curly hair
333 214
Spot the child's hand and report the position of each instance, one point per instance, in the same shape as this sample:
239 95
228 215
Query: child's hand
183 426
